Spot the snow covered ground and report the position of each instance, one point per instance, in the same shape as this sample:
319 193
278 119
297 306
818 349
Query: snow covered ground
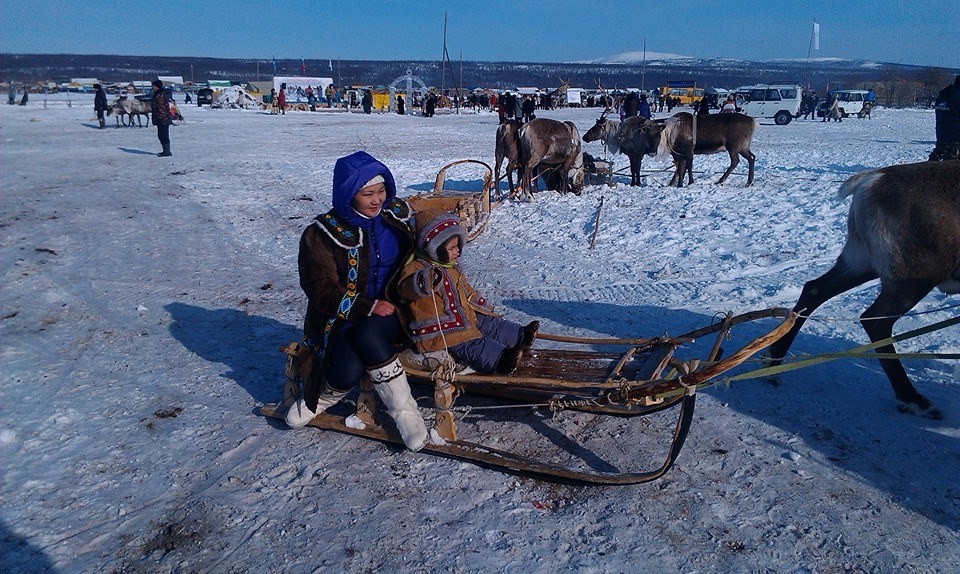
143 300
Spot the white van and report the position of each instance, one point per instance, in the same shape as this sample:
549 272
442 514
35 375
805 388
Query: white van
779 102
850 101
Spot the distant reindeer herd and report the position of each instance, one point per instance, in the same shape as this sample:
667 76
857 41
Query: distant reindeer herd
551 149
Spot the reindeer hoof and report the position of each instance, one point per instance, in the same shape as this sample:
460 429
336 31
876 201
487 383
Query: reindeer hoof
922 408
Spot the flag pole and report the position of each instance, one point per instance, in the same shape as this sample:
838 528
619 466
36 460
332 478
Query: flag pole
814 38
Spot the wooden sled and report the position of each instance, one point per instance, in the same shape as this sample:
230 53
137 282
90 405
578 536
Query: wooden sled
468 195
641 378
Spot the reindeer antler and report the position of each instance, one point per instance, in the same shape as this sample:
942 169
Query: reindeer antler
606 106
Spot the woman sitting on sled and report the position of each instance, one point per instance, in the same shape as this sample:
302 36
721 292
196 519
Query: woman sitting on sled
446 312
347 258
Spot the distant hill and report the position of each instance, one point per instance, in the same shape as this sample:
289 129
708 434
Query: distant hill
624 70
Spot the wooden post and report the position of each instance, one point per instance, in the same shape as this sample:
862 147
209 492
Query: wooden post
596 224
444 395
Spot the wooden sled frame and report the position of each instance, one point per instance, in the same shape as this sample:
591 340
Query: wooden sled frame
473 207
644 379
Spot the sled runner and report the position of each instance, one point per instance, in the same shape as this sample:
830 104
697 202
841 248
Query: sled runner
462 187
628 378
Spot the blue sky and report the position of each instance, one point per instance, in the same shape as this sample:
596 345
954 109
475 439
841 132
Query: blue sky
921 32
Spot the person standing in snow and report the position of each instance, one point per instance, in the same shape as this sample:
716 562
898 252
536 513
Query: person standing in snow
630 106
160 107
367 101
100 104
347 261
643 108
832 111
529 107
282 100
947 108
445 312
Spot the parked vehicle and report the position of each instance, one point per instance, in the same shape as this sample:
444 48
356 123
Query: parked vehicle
204 96
849 101
779 102
685 92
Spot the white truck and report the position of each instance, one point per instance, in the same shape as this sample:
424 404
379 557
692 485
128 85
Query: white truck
779 102
849 101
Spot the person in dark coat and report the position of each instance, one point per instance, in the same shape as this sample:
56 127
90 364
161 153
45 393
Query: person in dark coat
100 104
643 108
347 262
160 107
400 105
703 107
630 106
528 108
367 101
947 106
429 105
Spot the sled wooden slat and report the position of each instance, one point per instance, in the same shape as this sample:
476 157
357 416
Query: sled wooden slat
629 378
510 462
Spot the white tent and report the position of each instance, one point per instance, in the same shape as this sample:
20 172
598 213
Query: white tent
297 85
234 98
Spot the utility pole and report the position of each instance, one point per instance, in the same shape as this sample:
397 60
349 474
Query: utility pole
445 60
643 67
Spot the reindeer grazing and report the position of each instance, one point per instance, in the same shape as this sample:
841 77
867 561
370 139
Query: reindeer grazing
632 137
131 107
508 147
714 133
550 143
903 227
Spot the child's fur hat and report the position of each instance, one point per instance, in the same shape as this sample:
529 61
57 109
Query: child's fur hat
434 228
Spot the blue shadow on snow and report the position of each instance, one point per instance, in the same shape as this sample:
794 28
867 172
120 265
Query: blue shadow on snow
247 344
832 408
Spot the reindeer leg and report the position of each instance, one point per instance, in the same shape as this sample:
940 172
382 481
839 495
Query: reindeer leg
839 279
734 160
497 177
634 170
751 159
689 166
681 170
895 299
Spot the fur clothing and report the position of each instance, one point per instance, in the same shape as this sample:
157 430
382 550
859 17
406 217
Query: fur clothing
346 261
443 306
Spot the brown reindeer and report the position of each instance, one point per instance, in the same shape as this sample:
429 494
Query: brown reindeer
903 227
508 147
633 137
551 144
714 133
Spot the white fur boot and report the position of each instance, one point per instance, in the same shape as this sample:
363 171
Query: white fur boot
298 415
390 382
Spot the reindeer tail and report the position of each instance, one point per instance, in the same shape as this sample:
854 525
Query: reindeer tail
859 182
666 139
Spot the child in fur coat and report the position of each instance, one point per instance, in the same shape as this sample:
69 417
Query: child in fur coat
445 312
